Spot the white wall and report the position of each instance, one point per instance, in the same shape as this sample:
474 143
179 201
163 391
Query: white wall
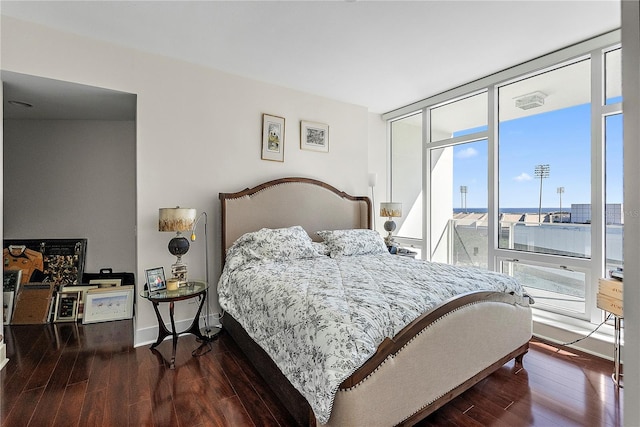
198 134
73 179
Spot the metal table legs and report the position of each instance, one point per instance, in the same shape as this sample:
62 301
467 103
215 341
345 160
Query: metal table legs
617 358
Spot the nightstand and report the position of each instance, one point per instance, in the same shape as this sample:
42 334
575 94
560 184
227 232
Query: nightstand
192 290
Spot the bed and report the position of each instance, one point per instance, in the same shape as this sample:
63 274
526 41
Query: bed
405 337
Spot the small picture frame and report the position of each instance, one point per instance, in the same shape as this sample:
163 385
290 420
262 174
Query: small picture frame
106 304
272 138
155 279
11 280
66 307
83 296
106 283
7 307
314 136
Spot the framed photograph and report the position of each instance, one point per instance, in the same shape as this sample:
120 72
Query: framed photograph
155 279
106 304
11 280
314 136
83 296
7 307
59 261
272 138
106 283
66 307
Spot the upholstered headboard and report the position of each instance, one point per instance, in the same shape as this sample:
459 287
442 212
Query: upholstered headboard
286 202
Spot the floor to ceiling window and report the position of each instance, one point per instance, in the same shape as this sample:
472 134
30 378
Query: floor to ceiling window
614 208
457 157
544 154
406 168
522 175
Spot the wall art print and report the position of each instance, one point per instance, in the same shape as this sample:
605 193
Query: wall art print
272 138
314 136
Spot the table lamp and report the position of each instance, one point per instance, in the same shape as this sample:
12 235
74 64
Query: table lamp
177 219
390 210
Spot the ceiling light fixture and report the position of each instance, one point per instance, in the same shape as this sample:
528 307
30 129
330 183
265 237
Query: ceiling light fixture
530 100
20 104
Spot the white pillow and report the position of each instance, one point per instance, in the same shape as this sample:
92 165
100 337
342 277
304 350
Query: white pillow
271 244
353 242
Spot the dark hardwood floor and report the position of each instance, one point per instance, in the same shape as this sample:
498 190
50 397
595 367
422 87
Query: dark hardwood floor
75 375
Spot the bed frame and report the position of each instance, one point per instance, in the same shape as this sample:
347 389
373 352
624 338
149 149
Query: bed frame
476 333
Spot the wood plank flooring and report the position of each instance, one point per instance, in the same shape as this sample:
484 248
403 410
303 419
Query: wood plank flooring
90 375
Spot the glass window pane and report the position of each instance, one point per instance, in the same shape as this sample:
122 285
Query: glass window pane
613 73
544 162
458 216
614 212
460 117
549 286
406 174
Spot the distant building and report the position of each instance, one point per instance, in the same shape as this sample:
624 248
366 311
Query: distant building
468 232
581 213
534 218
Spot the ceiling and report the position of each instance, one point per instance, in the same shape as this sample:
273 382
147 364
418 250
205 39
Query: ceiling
378 54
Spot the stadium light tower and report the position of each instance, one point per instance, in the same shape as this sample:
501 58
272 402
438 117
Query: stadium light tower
560 191
463 196
541 171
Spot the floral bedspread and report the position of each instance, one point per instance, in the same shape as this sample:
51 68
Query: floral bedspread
321 318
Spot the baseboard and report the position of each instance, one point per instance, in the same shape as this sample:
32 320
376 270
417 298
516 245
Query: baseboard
149 335
599 344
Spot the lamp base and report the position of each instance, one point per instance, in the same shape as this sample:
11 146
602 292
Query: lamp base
389 226
388 240
179 272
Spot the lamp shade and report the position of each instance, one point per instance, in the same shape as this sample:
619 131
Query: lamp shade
176 219
390 209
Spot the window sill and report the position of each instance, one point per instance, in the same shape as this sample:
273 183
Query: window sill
559 329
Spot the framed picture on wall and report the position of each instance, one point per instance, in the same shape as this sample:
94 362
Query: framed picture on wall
314 136
272 138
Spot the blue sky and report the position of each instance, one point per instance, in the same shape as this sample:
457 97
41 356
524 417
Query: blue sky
558 138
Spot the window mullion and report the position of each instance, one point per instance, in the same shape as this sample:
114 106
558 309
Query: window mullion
493 222
598 239
427 250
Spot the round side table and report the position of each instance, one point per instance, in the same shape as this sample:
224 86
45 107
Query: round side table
193 289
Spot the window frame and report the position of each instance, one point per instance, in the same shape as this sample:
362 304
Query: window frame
595 49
